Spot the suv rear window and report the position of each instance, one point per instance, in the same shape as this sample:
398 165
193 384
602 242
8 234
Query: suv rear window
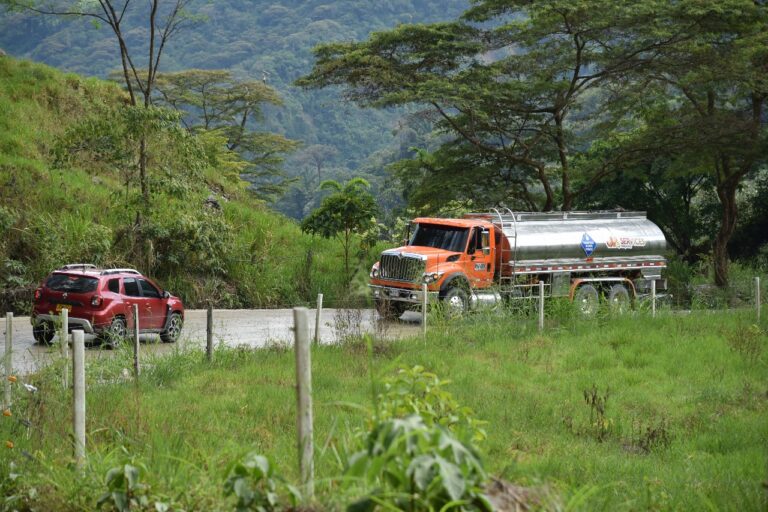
72 284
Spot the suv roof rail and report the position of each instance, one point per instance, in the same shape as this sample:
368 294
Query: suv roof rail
120 271
78 266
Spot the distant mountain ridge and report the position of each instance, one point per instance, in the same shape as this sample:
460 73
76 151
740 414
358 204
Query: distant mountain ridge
259 39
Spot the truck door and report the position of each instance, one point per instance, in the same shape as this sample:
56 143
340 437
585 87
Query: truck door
480 256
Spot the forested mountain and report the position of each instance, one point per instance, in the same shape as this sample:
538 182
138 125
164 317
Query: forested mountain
266 40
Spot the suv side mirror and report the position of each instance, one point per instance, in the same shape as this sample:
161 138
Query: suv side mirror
166 294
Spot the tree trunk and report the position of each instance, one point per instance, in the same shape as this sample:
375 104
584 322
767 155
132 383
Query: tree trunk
726 192
562 152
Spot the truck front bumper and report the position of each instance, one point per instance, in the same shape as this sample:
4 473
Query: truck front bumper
402 294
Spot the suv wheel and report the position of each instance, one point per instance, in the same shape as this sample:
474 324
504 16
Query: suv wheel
172 333
116 332
43 332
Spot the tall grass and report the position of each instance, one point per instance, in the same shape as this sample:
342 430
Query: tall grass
682 425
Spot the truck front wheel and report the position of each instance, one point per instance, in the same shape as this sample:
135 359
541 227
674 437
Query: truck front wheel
456 302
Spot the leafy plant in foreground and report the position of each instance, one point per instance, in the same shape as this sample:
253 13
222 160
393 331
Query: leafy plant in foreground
417 391
410 465
125 491
255 484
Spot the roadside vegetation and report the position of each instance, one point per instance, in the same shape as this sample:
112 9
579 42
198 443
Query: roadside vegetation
68 193
628 413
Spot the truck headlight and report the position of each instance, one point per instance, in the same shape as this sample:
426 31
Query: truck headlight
431 278
375 271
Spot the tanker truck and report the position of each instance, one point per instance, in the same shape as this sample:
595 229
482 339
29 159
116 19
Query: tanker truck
486 259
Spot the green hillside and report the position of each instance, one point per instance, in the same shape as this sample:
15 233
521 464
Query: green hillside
205 238
262 39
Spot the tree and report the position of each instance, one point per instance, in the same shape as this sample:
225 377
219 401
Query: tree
521 92
214 101
317 155
349 210
163 22
705 96
513 86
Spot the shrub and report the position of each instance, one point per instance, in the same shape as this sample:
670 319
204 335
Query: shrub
256 486
410 465
417 391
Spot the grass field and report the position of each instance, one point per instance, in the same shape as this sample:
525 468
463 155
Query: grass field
628 413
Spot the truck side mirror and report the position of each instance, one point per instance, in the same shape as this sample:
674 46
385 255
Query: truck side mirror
485 241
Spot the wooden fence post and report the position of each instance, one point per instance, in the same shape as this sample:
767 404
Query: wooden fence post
8 359
541 305
78 385
317 317
424 297
209 334
136 366
304 400
653 298
64 345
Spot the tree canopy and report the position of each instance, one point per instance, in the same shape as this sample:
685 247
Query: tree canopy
350 209
536 104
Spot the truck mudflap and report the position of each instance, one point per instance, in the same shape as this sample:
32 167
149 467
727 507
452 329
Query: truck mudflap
401 294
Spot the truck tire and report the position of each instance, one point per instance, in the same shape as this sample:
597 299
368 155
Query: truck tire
619 299
587 300
456 302
43 332
390 309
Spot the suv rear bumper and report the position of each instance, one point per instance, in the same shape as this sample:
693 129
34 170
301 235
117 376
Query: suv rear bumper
74 323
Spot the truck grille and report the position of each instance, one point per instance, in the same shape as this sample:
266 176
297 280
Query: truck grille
401 268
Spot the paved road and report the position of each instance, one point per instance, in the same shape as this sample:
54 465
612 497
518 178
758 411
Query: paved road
252 327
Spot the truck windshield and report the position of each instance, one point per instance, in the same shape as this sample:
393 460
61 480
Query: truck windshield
438 236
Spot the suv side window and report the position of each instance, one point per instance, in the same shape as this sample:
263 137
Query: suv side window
131 287
149 290
113 285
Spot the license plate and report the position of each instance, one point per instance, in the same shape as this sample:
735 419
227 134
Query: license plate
59 307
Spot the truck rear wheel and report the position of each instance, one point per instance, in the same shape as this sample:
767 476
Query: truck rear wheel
619 299
587 300
389 309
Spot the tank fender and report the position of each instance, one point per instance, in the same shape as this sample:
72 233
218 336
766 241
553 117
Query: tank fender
457 278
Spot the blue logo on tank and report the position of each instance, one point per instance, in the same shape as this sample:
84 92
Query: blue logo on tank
588 244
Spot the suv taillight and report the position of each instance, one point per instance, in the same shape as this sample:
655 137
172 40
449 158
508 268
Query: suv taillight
38 294
96 300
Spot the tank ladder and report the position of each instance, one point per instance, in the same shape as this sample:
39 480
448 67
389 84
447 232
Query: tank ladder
505 219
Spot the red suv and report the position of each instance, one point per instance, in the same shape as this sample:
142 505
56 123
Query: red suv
100 302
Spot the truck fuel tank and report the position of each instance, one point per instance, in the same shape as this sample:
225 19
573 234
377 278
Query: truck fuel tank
577 235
